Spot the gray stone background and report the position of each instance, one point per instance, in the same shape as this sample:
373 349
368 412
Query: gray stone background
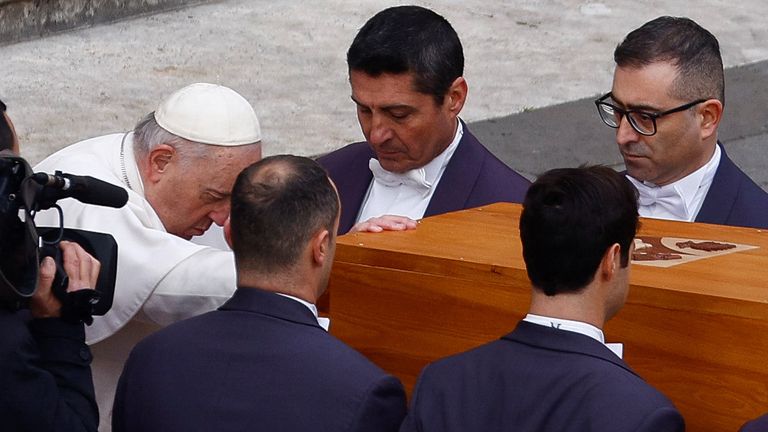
287 58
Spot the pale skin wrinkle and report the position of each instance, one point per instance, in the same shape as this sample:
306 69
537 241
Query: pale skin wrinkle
187 200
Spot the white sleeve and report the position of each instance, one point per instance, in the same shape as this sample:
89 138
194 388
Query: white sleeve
198 284
214 237
188 278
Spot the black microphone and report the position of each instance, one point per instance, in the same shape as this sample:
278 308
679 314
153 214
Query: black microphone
85 189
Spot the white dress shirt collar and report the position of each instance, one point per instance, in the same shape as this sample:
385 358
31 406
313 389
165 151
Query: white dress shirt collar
435 168
322 321
129 169
576 327
426 176
406 194
680 200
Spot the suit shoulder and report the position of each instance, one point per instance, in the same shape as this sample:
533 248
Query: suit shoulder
610 380
457 365
180 333
349 154
728 171
732 186
749 190
336 354
759 424
562 387
495 167
495 180
379 397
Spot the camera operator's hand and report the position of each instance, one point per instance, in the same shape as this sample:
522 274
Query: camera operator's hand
82 270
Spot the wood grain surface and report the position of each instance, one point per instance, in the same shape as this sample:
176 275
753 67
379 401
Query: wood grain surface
698 331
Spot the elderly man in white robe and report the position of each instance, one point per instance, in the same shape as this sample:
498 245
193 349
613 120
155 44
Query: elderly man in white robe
178 166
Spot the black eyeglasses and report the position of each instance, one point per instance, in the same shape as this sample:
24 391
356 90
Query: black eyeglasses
641 121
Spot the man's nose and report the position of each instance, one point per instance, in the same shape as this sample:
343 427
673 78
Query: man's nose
625 133
220 214
380 130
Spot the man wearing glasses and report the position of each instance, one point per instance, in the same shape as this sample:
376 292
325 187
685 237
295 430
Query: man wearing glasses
666 104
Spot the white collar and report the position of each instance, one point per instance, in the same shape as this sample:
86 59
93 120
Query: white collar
574 326
569 325
424 177
323 322
129 169
436 166
683 198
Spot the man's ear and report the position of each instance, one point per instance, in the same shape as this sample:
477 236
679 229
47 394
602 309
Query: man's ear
611 262
321 245
711 112
159 159
457 95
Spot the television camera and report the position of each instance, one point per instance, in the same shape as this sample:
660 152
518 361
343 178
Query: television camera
23 193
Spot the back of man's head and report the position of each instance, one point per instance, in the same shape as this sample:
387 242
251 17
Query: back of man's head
411 39
680 41
278 204
571 216
6 133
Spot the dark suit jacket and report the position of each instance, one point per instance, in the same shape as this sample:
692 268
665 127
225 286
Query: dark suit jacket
538 379
260 362
759 424
45 376
734 199
474 177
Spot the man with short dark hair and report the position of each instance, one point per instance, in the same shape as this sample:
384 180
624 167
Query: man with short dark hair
554 372
419 159
666 105
263 361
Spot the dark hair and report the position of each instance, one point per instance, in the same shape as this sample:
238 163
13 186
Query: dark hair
278 203
6 134
571 216
412 39
694 50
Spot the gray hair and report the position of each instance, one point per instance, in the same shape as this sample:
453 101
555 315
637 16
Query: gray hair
147 135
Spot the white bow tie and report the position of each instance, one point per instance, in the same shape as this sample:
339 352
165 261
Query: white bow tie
416 178
664 197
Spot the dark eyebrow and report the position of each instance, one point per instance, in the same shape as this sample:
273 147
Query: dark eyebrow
387 107
399 107
640 107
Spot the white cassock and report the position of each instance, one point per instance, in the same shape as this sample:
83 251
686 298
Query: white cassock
161 278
